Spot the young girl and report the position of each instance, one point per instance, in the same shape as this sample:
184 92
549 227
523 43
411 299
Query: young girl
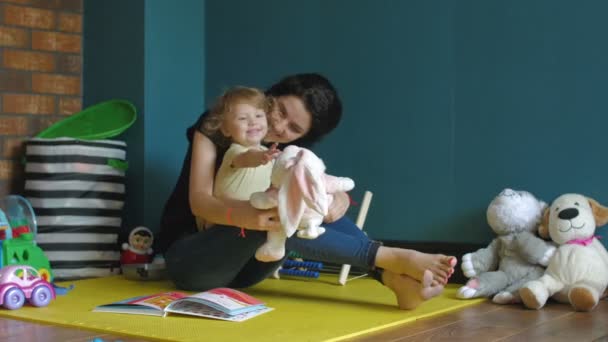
240 116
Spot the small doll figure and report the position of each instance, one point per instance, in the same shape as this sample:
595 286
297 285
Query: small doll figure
138 250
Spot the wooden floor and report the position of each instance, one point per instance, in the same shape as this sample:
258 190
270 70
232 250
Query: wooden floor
483 322
491 322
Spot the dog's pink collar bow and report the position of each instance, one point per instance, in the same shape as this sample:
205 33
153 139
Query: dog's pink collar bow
582 242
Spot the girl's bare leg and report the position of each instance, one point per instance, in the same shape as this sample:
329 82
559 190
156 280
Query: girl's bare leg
414 264
410 292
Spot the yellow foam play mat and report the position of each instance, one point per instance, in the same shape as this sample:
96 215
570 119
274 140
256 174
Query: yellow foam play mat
304 310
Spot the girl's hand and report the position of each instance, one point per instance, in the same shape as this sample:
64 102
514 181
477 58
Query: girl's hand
271 153
338 207
255 157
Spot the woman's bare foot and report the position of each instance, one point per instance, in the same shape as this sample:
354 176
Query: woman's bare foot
413 263
410 292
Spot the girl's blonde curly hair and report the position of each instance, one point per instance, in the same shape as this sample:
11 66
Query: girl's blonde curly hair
226 102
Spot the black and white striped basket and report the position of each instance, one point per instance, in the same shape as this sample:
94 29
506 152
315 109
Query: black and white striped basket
77 191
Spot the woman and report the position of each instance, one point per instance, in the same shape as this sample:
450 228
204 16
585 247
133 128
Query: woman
307 108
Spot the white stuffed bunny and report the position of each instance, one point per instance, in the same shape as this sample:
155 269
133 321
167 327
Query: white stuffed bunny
302 192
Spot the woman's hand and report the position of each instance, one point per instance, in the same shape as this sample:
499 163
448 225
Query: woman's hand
338 207
243 215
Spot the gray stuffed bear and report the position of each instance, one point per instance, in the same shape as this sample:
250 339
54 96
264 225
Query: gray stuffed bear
515 256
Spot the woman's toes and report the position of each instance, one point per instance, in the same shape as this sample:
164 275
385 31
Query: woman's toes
452 261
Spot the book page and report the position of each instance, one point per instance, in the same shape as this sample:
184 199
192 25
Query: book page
158 301
196 309
227 300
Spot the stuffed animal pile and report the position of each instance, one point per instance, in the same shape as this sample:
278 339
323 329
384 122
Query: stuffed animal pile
515 256
578 272
302 191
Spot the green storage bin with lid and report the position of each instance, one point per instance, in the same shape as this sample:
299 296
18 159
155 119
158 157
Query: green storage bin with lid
101 121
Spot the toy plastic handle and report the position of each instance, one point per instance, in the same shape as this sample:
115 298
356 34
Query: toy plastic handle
118 164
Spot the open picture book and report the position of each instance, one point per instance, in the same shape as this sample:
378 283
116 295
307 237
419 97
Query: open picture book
220 303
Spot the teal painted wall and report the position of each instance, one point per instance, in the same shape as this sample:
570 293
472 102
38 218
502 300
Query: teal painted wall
260 43
446 103
152 53
174 71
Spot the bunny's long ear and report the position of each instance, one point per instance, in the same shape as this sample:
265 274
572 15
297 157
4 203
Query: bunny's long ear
309 174
291 204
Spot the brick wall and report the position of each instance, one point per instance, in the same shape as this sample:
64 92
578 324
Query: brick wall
40 75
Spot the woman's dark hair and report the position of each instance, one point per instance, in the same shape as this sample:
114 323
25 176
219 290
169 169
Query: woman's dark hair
320 99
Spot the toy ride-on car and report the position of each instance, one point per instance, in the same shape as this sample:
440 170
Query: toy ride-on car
21 282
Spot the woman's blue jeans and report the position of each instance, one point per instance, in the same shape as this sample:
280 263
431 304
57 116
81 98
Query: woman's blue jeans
220 257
